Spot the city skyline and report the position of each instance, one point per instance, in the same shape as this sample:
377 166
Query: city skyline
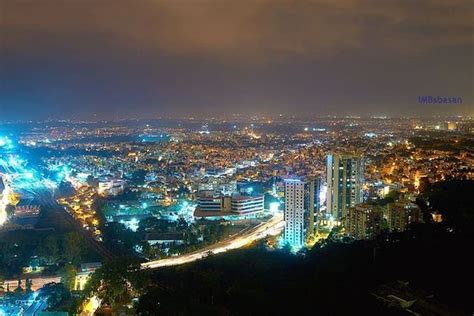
114 60
222 157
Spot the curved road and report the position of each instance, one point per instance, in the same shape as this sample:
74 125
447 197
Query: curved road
272 227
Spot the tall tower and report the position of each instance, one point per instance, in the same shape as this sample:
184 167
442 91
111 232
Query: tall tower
315 191
345 178
299 210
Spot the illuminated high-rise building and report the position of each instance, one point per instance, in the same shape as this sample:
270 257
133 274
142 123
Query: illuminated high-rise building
363 221
316 188
345 178
300 203
401 214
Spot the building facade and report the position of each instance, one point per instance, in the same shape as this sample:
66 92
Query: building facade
345 178
401 214
364 221
300 202
209 201
246 204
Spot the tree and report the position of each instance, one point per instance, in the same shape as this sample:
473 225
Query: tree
73 247
153 224
117 282
49 248
182 225
28 284
68 274
54 294
122 239
18 289
453 200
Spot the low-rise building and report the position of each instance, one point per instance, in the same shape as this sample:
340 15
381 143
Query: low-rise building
246 204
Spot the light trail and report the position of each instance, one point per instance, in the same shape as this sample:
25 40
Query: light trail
36 282
271 228
20 180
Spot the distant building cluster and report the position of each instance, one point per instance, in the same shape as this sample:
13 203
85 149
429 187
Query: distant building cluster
347 204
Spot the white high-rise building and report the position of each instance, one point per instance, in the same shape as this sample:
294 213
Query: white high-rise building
345 178
299 210
294 212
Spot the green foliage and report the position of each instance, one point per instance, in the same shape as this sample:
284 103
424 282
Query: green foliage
73 247
49 248
153 224
54 294
17 250
453 200
68 274
182 225
119 238
117 282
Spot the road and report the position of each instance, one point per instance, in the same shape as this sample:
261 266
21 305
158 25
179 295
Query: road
96 245
272 227
36 282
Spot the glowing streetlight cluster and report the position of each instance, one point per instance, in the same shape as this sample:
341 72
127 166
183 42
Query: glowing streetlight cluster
20 181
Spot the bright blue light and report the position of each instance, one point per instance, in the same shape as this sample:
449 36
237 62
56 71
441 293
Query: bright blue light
292 180
6 142
370 135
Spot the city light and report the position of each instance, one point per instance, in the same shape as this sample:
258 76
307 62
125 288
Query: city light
233 157
132 224
274 207
272 227
20 181
6 143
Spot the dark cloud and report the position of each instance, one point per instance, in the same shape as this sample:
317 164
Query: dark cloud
247 49
250 30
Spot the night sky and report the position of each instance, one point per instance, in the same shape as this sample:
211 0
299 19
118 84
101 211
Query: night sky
111 59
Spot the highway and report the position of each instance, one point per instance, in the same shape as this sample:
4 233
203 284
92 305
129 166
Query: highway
273 226
270 228
37 282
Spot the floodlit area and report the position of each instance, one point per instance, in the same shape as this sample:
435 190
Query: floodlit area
20 181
